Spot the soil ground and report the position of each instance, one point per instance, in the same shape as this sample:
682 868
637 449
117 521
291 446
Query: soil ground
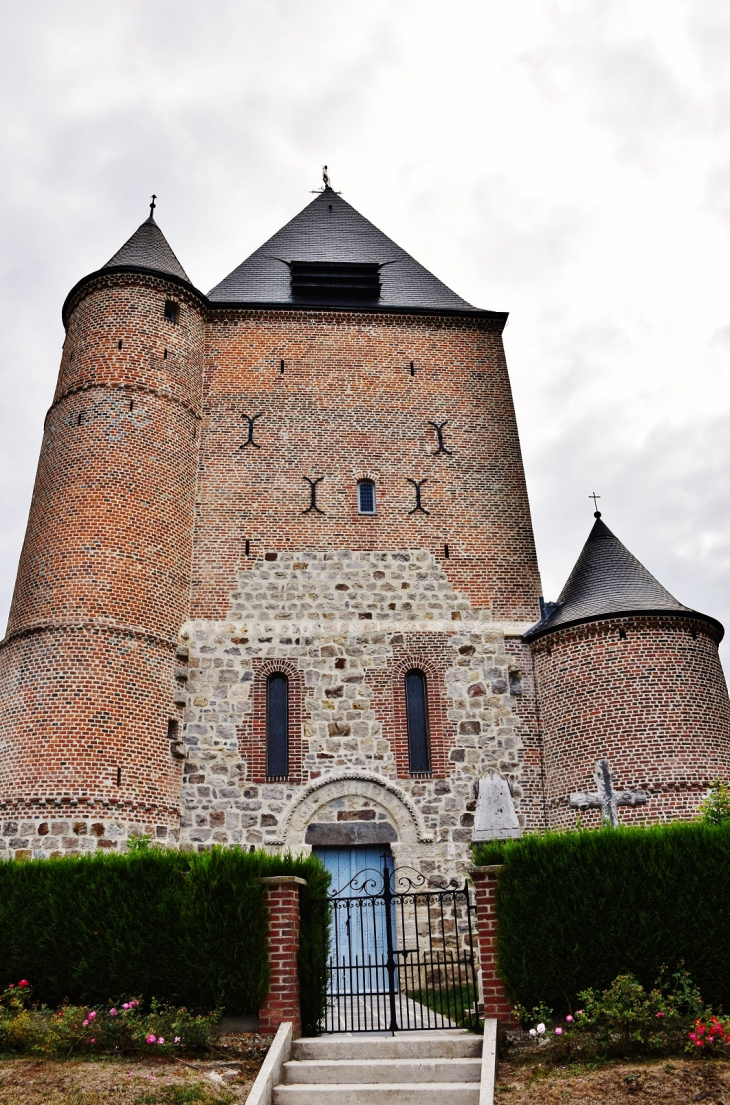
145 1081
670 1081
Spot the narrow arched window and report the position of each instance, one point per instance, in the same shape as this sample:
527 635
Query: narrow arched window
277 725
419 755
366 497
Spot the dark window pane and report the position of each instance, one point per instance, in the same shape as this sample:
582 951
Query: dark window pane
277 725
419 759
367 497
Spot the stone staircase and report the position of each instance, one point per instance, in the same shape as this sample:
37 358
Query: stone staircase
406 1069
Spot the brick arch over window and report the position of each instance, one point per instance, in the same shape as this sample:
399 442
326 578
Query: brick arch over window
254 735
436 713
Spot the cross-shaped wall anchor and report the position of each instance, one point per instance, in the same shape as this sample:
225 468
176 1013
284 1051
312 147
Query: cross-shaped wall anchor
439 428
418 484
607 799
313 494
250 418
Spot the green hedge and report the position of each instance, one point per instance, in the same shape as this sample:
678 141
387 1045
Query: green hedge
189 929
577 909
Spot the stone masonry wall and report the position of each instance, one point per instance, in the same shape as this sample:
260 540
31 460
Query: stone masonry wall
344 619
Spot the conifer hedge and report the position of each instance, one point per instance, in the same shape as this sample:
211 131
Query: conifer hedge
188 929
577 909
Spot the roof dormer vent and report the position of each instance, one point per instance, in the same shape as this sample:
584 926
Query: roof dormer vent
335 282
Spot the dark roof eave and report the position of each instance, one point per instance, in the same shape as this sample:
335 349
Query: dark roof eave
498 317
536 632
108 270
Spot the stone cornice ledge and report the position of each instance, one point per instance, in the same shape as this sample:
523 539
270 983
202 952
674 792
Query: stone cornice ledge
423 836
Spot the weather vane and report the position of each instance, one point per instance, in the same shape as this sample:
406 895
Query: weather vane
597 513
326 183
153 205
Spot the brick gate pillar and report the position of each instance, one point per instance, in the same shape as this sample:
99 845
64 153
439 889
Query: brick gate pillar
494 994
282 1001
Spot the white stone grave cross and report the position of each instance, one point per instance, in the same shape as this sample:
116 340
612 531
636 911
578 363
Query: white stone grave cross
607 799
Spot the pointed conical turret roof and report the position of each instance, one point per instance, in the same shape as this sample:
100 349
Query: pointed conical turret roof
608 581
148 248
331 232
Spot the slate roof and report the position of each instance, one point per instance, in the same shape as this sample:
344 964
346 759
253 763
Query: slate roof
329 229
608 580
148 248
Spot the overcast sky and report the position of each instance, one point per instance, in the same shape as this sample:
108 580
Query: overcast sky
568 162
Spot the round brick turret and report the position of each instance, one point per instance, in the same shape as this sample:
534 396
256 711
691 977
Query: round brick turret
87 668
627 674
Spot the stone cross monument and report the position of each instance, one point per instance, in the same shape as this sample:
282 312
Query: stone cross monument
607 799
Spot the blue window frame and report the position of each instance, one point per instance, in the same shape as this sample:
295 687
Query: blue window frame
366 497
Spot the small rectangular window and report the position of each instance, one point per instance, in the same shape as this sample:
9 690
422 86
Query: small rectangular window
366 497
171 311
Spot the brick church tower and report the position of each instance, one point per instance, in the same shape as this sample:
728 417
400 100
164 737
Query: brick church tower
279 584
628 674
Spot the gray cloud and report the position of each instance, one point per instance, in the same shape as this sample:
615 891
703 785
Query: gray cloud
566 161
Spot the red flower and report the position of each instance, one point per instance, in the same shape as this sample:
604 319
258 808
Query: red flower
23 982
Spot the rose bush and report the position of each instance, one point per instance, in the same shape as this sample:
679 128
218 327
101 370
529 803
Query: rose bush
122 1028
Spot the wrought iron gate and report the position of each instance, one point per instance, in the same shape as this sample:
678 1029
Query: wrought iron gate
397 954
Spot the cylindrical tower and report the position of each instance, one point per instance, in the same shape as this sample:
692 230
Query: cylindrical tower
87 668
628 674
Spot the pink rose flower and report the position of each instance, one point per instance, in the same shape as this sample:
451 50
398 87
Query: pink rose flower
660 1015
161 1040
92 1016
86 1024
177 1039
151 1039
126 1005
569 1019
558 1032
113 1013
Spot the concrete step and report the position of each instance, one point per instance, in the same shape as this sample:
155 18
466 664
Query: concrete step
363 1071
379 1093
448 1044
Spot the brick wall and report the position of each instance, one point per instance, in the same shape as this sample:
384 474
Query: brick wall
648 694
86 668
346 408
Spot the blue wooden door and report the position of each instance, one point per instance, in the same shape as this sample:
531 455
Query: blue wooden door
358 949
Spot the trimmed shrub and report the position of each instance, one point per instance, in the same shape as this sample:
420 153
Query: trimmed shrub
577 909
189 929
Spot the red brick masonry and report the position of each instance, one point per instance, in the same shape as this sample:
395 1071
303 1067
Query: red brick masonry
282 1001
494 994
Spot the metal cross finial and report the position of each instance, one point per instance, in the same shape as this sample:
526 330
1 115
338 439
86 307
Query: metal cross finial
595 498
153 205
325 177
606 799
